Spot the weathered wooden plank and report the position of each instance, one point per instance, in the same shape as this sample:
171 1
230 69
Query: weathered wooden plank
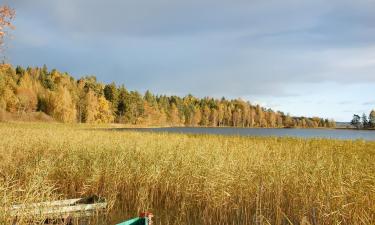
63 210
47 204
57 210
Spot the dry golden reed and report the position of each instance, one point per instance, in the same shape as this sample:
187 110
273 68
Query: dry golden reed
190 179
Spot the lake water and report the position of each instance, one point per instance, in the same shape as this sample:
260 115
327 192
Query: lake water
304 133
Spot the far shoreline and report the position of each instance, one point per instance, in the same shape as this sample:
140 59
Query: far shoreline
213 127
139 126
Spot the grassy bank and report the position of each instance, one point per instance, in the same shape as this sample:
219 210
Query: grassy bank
190 179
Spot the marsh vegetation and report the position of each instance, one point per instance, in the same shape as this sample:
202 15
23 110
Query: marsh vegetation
190 179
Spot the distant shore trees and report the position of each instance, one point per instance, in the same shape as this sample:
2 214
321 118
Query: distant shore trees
364 122
86 100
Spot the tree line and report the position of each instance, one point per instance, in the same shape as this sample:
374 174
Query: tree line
364 121
87 100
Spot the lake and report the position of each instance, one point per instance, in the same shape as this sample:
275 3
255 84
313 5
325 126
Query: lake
345 134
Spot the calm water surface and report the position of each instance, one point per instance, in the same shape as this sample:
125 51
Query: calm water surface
304 133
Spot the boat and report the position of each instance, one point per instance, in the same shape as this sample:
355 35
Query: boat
69 212
66 211
145 218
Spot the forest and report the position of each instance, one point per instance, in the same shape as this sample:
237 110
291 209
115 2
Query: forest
59 95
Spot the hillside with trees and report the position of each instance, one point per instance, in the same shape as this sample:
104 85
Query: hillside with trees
86 100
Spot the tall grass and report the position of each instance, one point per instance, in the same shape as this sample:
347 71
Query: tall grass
190 179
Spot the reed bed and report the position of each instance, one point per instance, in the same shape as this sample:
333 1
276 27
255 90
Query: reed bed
189 179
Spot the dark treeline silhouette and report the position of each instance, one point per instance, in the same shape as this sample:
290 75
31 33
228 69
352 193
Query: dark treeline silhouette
86 100
364 121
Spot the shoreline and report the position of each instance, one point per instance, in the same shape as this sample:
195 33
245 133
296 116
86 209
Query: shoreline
119 125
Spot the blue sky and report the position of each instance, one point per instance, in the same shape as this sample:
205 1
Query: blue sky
312 57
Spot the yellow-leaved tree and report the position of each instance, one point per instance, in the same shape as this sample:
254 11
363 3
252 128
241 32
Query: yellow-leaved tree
196 117
63 106
104 114
90 107
97 109
27 100
174 115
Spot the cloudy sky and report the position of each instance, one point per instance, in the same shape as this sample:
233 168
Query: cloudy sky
311 57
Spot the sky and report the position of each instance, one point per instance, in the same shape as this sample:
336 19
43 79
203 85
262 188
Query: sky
303 57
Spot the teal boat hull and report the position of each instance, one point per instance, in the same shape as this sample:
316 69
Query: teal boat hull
135 221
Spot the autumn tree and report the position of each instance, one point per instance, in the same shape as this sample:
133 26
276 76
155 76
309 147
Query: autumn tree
220 114
279 120
372 119
64 109
213 118
173 115
151 115
236 117
9 99
6 16
27 100
189 103
197 116
90 110
288 121
205 116
228 115
315 122
163 103
104 113
271 119
2 88
135 107
332 123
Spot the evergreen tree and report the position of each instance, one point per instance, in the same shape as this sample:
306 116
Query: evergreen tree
356 121
112 95
150 98
122 105
365 122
